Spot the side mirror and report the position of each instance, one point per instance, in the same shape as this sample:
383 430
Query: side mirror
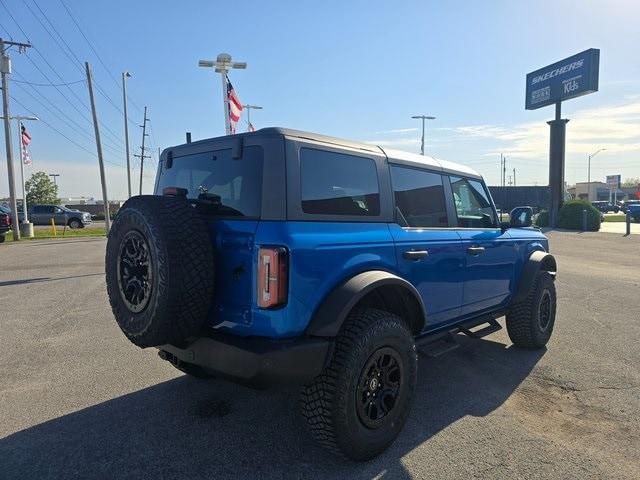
521 217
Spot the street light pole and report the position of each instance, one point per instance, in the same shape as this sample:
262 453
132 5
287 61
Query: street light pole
126 75
222 65
54 176
423 118
249 108
589 173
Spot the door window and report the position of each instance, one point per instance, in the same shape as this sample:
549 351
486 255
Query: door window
473 206
338 184
419 197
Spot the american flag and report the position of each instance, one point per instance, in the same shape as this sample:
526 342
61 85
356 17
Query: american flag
235 106
25 140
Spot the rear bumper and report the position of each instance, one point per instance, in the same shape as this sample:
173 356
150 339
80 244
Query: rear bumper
254 361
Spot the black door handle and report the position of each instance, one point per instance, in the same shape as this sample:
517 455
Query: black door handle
475 250
415 254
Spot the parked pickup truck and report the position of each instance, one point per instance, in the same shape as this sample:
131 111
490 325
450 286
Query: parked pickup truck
284 257
61 215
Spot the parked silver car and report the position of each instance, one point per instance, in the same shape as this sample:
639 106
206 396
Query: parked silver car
61 215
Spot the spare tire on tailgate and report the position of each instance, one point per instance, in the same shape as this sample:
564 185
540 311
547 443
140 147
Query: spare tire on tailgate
159 270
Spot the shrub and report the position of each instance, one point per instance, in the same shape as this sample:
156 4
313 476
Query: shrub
542 219
570 215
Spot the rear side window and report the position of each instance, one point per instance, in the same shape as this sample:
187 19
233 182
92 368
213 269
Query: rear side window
473 207
338 184
237 181
419 197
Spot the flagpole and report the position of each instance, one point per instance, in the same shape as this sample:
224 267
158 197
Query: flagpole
225 99
28 231
24 197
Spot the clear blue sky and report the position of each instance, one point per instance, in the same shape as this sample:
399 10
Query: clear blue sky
352 69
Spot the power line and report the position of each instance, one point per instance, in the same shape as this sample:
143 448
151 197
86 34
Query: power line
48 84
69 121
52 127
77 62
113 134
93 49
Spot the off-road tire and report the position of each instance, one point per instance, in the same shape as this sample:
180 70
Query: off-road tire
181 278
527 324
330 403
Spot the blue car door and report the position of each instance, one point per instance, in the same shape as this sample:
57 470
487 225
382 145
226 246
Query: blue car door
429 252
490 253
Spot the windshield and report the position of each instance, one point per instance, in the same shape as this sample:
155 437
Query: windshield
235 184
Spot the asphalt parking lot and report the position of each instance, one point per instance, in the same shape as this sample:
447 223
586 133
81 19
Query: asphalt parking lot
79 401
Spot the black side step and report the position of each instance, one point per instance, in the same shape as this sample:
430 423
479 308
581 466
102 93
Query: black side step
493 326
440 345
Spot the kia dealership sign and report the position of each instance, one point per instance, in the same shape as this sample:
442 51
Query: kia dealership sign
569 78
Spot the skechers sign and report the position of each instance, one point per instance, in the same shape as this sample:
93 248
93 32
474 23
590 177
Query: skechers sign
569 78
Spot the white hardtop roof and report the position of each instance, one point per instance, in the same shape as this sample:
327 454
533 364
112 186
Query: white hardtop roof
426 161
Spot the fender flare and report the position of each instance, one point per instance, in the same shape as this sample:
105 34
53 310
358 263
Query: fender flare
329 317
538 261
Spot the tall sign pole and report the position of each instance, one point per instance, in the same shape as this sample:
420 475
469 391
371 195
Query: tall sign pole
96 129
222 65
557 135
569 78
5 70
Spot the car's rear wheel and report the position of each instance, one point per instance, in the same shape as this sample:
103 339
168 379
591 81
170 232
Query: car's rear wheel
530 322
159 270
359 404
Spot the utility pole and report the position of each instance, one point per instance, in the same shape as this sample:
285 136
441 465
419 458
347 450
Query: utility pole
249 108
423 118
222 65
504 172
96 129
514 177
5 70
142 156
126 75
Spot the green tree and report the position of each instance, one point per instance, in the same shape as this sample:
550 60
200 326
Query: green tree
40 189
631 182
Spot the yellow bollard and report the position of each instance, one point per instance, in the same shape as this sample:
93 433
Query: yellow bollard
53 228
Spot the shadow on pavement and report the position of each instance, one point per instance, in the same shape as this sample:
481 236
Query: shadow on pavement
186 428
46 279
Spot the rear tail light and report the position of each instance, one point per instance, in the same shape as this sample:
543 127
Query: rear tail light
273 276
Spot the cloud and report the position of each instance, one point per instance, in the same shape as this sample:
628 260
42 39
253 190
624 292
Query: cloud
397 131
615 128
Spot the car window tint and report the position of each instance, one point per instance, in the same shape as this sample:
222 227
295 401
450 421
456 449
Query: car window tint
238 182
338 184
473 207
419 197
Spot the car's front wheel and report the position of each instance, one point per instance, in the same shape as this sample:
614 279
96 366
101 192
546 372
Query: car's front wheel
75 223
359 404
530 322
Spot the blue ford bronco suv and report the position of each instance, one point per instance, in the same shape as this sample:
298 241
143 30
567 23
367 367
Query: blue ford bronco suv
281 257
